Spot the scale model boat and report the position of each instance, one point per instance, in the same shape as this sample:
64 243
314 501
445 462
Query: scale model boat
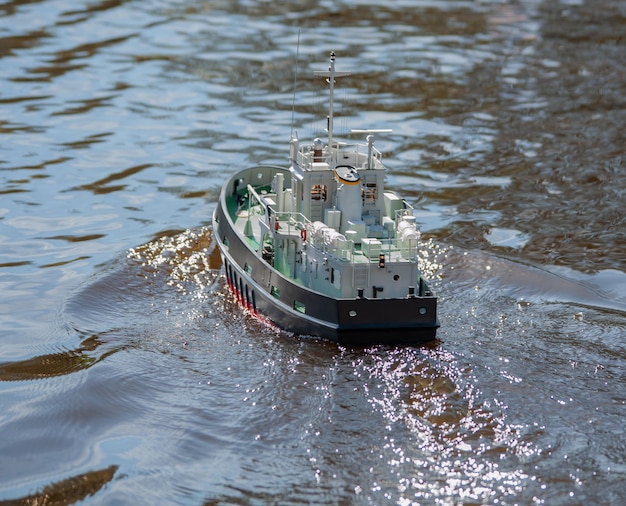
322 249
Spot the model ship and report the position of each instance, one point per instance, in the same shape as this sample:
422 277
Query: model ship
320 248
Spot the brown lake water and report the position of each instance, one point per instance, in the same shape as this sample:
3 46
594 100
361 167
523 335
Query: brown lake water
128 374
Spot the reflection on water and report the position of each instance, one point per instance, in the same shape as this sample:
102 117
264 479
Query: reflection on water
458 441
71 490
127 370
54 364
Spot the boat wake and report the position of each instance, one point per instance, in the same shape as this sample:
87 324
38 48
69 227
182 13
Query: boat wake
528 284
166 351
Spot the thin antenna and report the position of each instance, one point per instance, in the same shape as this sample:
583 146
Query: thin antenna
331 74
295 82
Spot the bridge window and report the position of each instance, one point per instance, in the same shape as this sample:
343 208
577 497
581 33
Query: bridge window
319 192
369 192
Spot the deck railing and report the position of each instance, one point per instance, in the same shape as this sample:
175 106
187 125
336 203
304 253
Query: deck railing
293 225
342 154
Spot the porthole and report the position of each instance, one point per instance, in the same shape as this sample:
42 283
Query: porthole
352 313
422 310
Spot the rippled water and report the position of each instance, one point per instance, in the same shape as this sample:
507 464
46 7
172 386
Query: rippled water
129 374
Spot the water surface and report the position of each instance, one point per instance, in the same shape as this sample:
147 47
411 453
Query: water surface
129 374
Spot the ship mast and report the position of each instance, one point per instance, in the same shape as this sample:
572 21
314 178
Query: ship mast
331 74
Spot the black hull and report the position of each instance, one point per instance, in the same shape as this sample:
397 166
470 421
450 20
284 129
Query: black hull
360 321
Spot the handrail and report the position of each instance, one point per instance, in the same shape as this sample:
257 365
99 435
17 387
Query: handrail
305 156
343 249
